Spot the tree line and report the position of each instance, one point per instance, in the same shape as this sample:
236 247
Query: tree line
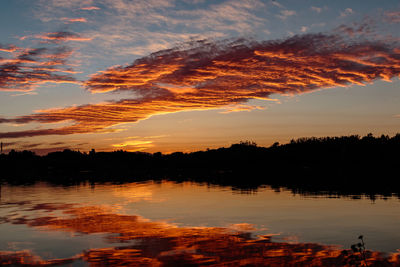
332 165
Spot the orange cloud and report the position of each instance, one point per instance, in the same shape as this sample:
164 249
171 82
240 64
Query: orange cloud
74 19
90 8
253 70
8 48
209 75
134 145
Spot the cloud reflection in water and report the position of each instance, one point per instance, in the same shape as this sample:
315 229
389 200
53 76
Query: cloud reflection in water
150 243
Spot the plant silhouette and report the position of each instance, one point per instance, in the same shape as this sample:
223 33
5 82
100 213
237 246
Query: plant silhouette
359 258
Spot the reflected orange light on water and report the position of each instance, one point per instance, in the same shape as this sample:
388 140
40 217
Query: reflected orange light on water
151 243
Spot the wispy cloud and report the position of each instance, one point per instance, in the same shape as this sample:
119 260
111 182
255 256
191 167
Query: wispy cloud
277 4
8 48
365 28
393 16
62 36
42 147
235 16
8 144
90 8
213 75
346 12
74 19
26 68
239 108
286 13
316 9
134 145
144 26
25 93
304 29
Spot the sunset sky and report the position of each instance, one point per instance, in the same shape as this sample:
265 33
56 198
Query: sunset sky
165 75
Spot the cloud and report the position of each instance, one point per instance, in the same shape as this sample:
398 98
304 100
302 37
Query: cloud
74 19
239 108
39 148
134 145
346 12
57 143
277 4
204 74
144 26
30 146
123 28
286 13
316 9
7 144
236 16
42 148
304 29
365 28
24 93
90 8
393 16
8 48
27 68
62 36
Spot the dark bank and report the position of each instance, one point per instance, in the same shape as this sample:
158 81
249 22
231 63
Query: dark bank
346 165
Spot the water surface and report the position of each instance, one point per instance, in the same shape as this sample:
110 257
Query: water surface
155 222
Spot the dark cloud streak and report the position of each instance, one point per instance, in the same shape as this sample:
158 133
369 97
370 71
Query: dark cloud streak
28 68
62 36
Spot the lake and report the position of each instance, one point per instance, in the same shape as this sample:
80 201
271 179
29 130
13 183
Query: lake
152 223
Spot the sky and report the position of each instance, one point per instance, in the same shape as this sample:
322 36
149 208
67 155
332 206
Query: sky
187 75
